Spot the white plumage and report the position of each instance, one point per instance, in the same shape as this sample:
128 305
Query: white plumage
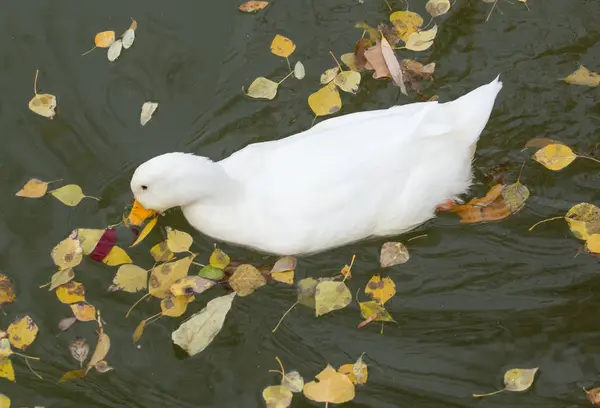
365 174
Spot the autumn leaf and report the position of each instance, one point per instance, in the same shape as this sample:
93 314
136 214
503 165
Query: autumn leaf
72 375
34 188
61 277
67 253
117 256
130 278
262 88
583 220
393 253
357 373
252 6
593 395
373 311
583 76
555 156
374 56
4 401
406 23
393 65
89 238
325 101
592 244
104 247
329 75
349 59
283 270
22 332
174 306
147 229
104 39
437 7
79 349
190 285
6 370
330 296
491 207
210 272
102 348
139 331
164 275
66 323
305 290
540 142
516 379
415 68
128 36
282 46
84 312
7 290
161 252
293 381
421 40
138 214
114 51
148 109
348 81
219 259
70 195
332 387
196 333
299 71
42 104
71 292
514 196
277 396
246 279
380 290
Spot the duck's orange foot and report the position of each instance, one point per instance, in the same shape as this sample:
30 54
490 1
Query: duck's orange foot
447 205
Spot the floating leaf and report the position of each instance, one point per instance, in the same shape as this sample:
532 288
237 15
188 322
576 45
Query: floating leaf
174 306
299 71
191 285
104 39
293 381
283 270
406 23
357 372
515 379
145 231
348 81
128 36
67 253
263 88
277 396
282 46
514 196
332 387
381 290
7 290
306 289
329 75
437 7
71 292
374 56
6 370
70 195
325 101
72 375
138 214
102 348
491 207
210 272
555 156
583 76
117 256
43 104
418 69
393 253
583 220
196 333
103 367
330 296
350 60
251 6
114 51
61 277
422 40
84 312
393 65
148 109
161 252
34 188
165 275
66 323
593 395
89 238
4 401
284 277
5 350
219 259
130 278
139 330
178 241
374 311
593 243
79 349
22 332
246 279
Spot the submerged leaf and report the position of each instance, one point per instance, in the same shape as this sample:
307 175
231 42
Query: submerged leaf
325 101
196 333
72 375
555 156
514 196
583 220
293 381
79 349
332 387
282 46
263 88
66 323
330 296
139 330
422 40
34 188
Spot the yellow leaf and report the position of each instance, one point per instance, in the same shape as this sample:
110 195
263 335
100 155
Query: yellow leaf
374 311
34 188
6 370
72 375
191 285
284 277
61 277
583 220
393 253
555 156
329 75
284 264
43 105
70 195
22 332
332 387
253 5
219 259
277 396
145 231
325 101
5 350
84 312
7 291
593 243
350 60
67 253
357 372
165 275
246 279
583 76
161 253
421 40
4 401
104 39
438 7
263 88
178 241
89 238
330 296
516 379
514 196
139 330
71 292
282 46
117 256
101 350
174 306
348 81
138 214
381 290
130 278
406 23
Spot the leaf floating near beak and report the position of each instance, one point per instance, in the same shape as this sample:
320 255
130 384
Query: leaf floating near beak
138 214
42 104
148 109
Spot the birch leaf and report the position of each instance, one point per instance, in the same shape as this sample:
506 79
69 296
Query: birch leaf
277 396
380 290
148 109
393 65
325 101
70 195
71 292
437 7
67 253
282 46
330 296
4 401
147 229
161 252
130 278
246 279
219 259
102 348
299 71
583 76
79 349
332 387
262 88
6 370
104 39
7 290
114 51
34 188
329 75
393 253
555 156
22 332
117 256
165 275
178 241
253 5
348 81
61 277
422 40
174 306
84 312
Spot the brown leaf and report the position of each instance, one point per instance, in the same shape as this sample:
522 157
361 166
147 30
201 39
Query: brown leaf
79 349
393 65
374 57
66 323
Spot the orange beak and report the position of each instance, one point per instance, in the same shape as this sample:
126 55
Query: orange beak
138 214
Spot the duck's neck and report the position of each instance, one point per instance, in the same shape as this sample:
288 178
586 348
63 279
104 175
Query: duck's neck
209 184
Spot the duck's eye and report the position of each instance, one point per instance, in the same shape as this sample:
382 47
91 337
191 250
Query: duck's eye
144 187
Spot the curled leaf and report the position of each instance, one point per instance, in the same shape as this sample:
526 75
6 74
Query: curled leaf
251 6
421 40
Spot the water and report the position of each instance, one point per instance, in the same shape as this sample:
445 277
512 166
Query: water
473 300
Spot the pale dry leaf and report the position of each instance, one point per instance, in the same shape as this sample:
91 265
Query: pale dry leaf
437 8
393 253
347 81
374 56
393 65
34 188
178 241
61 277
329 75
325 101
130 278
246 279
330 296
102 348
299 71
148 109
79 349
262 88
44 105
421 40
114 51
277 396
128 38
293 381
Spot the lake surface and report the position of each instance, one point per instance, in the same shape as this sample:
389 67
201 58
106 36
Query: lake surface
472 302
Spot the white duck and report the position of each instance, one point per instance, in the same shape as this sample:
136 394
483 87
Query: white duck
366 174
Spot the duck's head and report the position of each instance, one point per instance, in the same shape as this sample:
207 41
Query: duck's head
173 180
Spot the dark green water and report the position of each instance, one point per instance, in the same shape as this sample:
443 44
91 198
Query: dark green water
472 302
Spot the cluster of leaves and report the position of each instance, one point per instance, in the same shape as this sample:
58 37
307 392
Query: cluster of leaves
20 334
333 386
107 39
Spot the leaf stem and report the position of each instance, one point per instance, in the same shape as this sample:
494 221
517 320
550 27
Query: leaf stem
32 370
389 7
286 77
521 171
488 394
492 9
155 317
336 61
588 157
95 198
88 51
284 315
288 62
280 365
199 264
136 303
417 237
37 71
543 221
25 356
